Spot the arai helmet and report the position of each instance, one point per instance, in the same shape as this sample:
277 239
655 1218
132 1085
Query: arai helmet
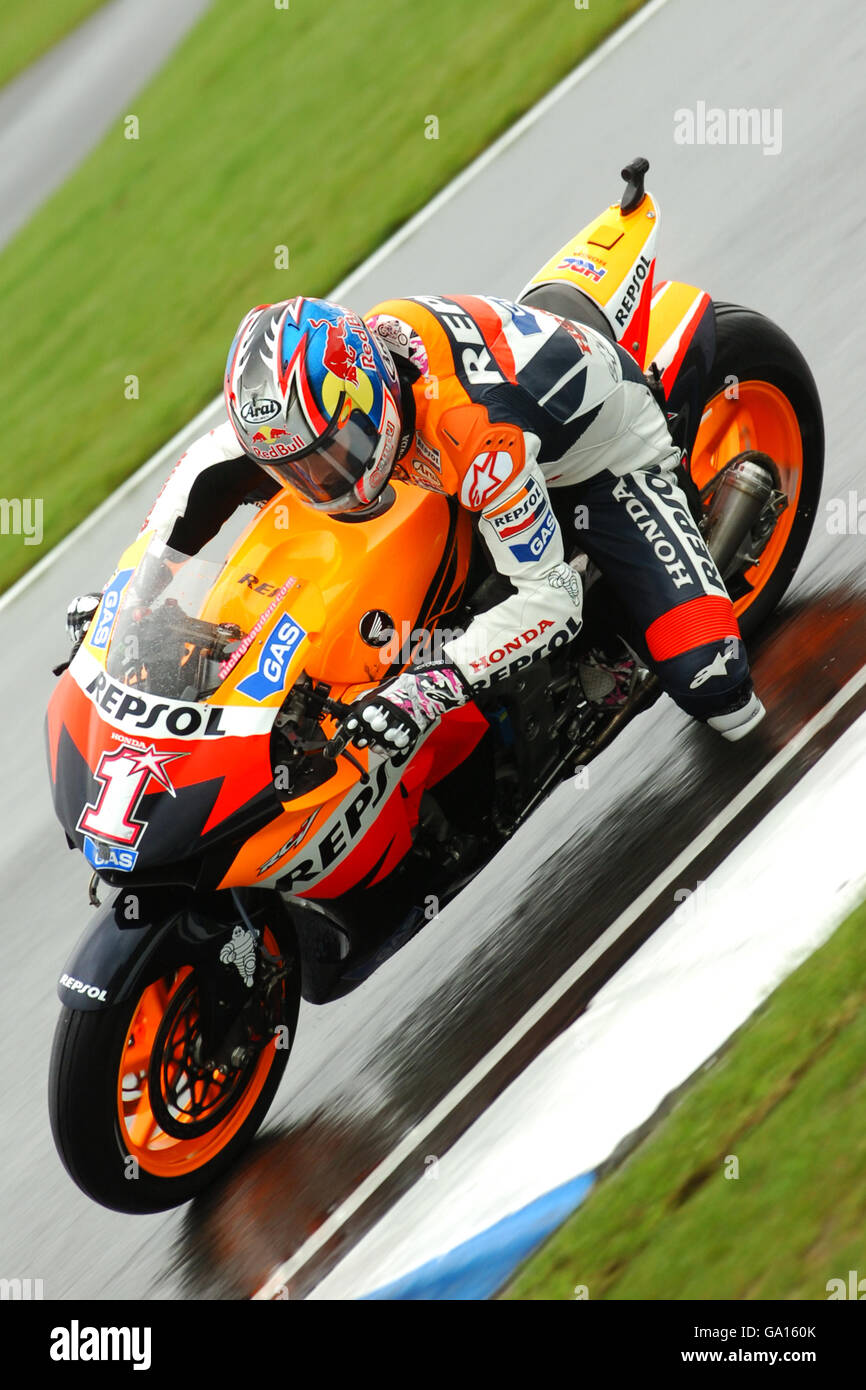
314 398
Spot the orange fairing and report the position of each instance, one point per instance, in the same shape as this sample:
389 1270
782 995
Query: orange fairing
228 749
373 854
612 262
676 312
301 587
346 832
342 570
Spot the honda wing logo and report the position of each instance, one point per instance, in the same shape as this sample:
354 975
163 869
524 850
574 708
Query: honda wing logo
376 627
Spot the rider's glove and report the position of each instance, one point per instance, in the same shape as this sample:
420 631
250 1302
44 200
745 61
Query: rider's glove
393 718
79 616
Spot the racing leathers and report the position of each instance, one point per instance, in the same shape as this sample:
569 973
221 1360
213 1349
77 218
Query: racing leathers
548 433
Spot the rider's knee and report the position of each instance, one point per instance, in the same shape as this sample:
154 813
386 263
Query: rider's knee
713 683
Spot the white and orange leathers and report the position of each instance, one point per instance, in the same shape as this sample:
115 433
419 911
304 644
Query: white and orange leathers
512 400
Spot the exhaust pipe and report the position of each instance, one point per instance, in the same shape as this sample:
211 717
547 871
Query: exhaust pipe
746 487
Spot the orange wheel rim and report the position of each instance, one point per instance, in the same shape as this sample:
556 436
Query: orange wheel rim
155 1151
761 417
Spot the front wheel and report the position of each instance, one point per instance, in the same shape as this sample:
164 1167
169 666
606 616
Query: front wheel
761 396
141 1119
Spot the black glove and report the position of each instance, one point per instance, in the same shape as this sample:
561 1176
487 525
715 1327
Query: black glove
79 616
394 717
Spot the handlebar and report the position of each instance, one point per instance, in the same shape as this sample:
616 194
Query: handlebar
337 746
336 707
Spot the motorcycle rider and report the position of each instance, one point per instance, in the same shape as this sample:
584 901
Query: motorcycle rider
544 429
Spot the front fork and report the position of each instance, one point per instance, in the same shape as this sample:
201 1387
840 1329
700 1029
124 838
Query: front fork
240 993
219 935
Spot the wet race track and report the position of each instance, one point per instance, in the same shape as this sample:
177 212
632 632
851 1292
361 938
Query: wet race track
368 1069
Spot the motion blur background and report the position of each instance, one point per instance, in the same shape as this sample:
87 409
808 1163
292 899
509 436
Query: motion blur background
163 168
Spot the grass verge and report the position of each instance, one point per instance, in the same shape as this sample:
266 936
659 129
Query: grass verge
28 30
304 128
785 1099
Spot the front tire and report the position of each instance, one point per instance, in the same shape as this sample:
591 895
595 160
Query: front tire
761 396
106 1126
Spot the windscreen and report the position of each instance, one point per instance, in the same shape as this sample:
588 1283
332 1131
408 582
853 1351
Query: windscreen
158 643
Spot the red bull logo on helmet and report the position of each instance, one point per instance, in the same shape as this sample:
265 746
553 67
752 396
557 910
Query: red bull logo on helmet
338 356
265 445
321 363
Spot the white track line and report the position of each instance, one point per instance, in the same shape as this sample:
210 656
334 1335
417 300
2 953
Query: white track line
345 287
449 1103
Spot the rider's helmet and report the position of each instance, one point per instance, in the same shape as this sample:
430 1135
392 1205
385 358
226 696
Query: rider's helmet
315 399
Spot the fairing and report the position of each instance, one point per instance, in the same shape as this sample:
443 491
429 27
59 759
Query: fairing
610 266
161 732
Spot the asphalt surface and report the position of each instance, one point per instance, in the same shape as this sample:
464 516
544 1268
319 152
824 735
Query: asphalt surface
53 114
780 233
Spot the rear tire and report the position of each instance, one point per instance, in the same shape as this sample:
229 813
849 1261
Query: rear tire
776 411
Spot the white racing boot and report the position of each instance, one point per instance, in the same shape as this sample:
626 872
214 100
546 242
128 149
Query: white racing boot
739 722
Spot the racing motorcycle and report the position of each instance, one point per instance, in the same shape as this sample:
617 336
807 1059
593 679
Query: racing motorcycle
252 858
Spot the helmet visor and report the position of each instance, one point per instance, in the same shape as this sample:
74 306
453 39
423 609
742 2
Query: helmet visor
327 470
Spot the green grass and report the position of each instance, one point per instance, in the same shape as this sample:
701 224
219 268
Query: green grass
786 1098
28 28
302 127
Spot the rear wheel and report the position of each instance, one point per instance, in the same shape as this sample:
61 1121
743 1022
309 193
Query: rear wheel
140 1117
761 396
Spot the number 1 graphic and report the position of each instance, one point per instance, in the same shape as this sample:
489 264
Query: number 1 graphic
124 774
